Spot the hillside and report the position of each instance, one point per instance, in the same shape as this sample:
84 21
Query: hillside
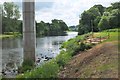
100 61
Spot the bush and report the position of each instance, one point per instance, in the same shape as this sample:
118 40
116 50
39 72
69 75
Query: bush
88 46
27 65
62 58
82 46
47 70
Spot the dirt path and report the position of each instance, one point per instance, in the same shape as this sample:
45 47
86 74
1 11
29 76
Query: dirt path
100 61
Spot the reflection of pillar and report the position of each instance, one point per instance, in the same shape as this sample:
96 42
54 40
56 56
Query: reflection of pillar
29 36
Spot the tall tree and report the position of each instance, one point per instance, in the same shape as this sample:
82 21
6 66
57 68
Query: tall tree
87 20
11 14
103 24
100 8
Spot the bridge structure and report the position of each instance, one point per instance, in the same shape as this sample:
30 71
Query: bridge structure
29 30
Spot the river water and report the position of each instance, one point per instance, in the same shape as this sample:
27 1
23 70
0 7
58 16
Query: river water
12 49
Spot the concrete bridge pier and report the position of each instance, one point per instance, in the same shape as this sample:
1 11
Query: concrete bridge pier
29 31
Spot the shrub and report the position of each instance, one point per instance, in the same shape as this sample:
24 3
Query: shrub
62 58
88 46
82 46
47 70
27 65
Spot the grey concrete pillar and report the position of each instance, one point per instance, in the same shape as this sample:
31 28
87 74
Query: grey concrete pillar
29 31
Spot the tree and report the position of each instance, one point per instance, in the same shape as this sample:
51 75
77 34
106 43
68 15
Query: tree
100 18
20 28
11 14
114 18
116 5
103 24
88 21
100 8
57 27
11 10
96 21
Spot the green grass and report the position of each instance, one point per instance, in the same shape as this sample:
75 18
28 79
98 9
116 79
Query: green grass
51 68
48 70
6 36
10 35
112 35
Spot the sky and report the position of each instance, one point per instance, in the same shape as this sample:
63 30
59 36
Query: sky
67 10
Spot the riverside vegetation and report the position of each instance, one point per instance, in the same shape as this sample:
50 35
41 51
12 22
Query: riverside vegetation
98 19
73 46
12 27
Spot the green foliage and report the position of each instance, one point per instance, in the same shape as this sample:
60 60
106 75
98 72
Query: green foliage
27 65
51 68
83 29
73 28
113 30
62 58
114 18
73 46
47 70
10 16
100 8
99 18
116 5
82 46
89 20
104 24
96 22
57 27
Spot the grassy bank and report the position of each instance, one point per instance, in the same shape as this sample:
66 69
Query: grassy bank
51 68
10 35
70 48
101 61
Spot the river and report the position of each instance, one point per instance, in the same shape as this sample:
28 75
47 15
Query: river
12 49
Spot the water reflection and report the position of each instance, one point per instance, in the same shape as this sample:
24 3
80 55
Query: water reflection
12 49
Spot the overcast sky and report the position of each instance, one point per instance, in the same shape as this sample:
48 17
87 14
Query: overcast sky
66 10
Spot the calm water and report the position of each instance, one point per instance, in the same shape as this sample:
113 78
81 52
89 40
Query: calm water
12 49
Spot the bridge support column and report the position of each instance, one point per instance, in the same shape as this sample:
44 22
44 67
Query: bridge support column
29 31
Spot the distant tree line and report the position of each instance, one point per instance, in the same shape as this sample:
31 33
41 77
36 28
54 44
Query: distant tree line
99 18
73 28
10 22
57 27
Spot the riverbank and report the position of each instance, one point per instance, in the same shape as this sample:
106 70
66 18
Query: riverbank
10 35
71 48
101 61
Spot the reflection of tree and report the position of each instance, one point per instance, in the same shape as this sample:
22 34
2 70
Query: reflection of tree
10 43
57 42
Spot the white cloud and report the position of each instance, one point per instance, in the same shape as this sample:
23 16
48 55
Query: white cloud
69 10
66 10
